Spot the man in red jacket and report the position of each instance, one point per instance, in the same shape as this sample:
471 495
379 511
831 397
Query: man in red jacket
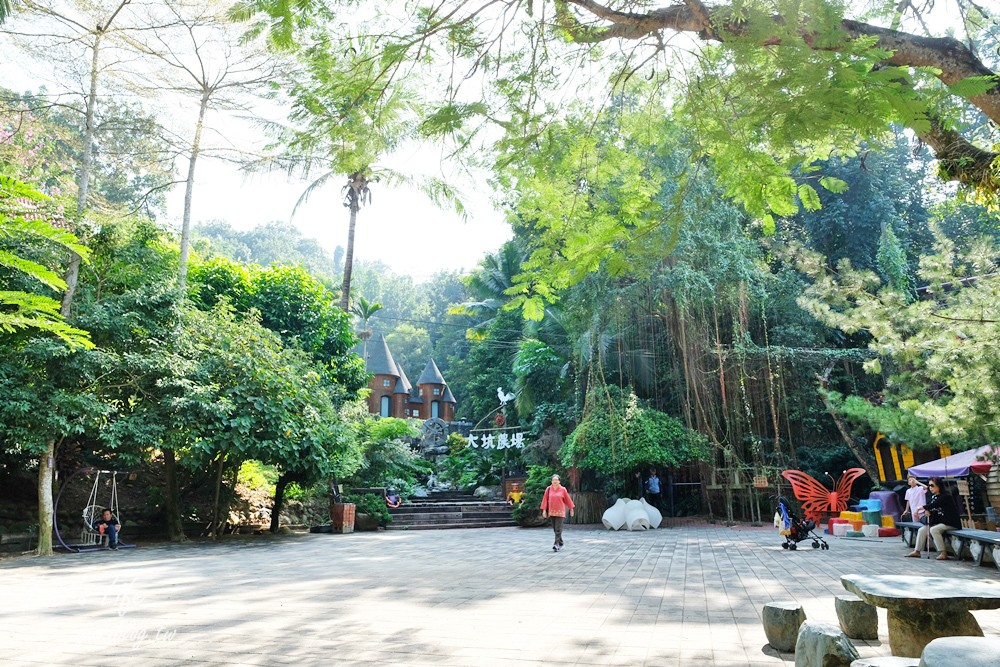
555 502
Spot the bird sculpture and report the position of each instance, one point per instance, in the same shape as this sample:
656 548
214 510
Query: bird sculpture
504 398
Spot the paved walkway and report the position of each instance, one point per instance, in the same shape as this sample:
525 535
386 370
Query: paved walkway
686 596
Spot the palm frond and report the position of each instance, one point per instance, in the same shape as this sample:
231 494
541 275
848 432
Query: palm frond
310 189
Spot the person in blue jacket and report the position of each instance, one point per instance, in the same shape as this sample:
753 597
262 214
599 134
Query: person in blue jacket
653 493
108 525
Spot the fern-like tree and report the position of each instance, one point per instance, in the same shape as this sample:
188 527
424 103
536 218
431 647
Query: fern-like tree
196 55
64 35
25 232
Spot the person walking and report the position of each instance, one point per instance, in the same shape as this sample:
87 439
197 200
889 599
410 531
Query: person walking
555 502
943 513
653 493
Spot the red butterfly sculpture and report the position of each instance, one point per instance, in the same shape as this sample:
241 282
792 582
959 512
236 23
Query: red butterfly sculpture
815 498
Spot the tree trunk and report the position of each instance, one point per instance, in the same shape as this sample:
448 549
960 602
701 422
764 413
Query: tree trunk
279 501
345 294
859 454
216 524
189 192
46 463
175 529
83 178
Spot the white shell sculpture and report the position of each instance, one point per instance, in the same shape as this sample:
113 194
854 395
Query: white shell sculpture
655 518
635 516
614 516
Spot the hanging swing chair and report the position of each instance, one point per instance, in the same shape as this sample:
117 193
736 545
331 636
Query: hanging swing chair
91 538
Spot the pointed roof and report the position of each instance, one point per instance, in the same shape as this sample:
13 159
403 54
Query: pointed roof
431 374
403 385
448 396
380 361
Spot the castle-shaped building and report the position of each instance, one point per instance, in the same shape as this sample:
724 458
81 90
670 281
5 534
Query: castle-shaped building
392 395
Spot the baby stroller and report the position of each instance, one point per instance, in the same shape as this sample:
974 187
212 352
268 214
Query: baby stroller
793 529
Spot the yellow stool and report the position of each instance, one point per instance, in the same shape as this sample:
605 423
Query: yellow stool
888 522
852 516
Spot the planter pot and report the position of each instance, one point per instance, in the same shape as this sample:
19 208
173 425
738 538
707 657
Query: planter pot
342 517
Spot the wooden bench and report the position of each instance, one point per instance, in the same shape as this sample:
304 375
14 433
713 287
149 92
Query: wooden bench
976 542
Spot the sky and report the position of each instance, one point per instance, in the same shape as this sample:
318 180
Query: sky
401 227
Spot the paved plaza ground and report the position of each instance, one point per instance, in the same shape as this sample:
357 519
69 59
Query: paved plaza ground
681 596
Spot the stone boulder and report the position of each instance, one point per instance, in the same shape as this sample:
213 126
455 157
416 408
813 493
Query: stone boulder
823 645
781 624
962 652
858 619
886 661
365 522
491 492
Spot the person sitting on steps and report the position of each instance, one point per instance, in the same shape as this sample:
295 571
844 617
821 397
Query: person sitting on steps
108 525
392 500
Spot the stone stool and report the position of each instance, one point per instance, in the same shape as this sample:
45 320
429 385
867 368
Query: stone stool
964 651
823 645
781 624
857 618
886 661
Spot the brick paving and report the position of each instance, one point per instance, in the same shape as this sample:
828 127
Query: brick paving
496 596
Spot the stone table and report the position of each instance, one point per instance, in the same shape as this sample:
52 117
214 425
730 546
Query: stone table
921 609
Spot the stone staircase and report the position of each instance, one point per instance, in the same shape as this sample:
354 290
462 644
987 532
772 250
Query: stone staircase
450 509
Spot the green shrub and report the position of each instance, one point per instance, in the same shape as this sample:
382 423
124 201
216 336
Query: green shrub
456 442
256 475
371 504
470 468
303 493
619 435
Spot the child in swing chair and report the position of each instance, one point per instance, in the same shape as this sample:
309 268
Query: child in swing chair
108 525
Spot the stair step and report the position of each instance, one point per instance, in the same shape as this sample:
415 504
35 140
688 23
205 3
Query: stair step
447 526
449 518
446 510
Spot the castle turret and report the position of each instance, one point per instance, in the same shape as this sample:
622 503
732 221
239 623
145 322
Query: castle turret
437 398
387 379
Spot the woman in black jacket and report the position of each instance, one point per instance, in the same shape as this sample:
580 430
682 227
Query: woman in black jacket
943 513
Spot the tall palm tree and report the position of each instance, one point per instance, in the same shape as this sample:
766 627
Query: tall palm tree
365 309
346 117
356 194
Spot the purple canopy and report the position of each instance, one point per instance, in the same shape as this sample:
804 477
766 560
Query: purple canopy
956 465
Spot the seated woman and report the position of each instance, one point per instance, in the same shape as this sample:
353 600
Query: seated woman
942 515
392 500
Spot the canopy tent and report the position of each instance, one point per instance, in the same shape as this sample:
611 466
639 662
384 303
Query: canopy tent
958 465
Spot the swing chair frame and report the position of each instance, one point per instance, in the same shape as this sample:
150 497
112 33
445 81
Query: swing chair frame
91 540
